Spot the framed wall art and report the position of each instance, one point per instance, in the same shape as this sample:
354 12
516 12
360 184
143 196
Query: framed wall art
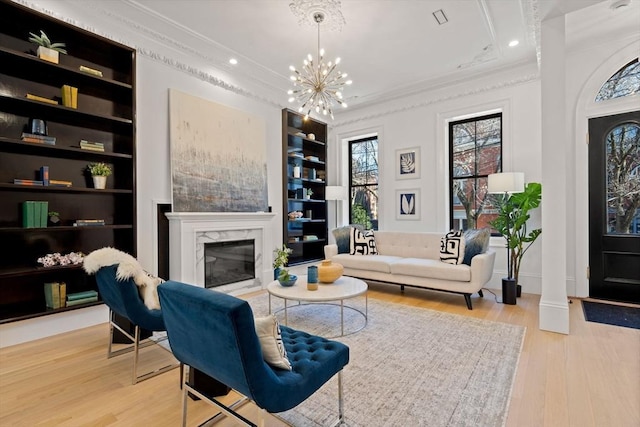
408 163
408 204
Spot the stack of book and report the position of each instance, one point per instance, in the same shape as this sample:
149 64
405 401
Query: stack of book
38 139
20 181
90 145
34 214
69 96
88 222
55 294
59 183
81 298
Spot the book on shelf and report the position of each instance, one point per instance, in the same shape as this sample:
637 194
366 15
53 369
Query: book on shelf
90 71
81 295
37 141
41 99
28 182
71 303
52 295
90 145
63 294
28 212
59 183
44 175
43 138
99 150
89 222
69 96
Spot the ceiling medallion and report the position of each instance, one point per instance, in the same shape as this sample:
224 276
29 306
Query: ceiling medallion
318 85
305 10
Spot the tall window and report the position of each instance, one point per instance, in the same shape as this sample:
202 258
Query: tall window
475 151
363 182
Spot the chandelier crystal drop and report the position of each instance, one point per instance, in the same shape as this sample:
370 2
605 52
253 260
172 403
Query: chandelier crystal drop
318 85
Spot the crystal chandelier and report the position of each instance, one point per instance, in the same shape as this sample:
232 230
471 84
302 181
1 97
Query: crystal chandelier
318 85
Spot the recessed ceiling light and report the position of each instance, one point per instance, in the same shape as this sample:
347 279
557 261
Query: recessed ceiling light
233 61
514 43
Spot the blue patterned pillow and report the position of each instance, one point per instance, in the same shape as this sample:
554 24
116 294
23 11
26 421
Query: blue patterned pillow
452 247
476 242
362 243
343 237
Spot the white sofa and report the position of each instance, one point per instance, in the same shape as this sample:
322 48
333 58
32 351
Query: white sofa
413 259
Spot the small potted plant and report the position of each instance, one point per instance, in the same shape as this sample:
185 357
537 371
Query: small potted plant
309 193
99 172
280 260
47 51
54 218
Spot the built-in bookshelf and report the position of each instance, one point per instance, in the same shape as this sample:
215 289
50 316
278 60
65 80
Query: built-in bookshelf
103 113
304 171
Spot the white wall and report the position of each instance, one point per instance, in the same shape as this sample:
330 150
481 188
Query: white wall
422 120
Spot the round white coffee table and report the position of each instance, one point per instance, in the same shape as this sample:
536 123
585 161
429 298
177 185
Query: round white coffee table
340 290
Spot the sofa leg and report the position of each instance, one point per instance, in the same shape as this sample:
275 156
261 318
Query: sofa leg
480 293
467 299
401 288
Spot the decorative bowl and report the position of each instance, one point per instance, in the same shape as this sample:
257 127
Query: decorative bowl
290 282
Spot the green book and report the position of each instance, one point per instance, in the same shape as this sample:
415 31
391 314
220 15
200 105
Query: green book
44 213
36 213
28 211
52 294
82 301
80 295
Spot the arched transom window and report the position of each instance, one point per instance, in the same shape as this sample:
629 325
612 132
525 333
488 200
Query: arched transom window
625 82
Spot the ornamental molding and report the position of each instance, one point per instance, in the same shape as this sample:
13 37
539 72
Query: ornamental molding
305 9
430 101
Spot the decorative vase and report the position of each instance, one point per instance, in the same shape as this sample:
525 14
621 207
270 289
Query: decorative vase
509 291
296 171
276 273
48 55
99 182
329 272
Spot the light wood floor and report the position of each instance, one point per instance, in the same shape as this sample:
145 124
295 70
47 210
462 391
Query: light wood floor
588 378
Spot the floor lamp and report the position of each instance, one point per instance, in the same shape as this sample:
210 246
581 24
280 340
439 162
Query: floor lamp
336 193
507 183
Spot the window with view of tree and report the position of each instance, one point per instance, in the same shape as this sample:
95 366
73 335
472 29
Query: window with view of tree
475 151
363 182
625 82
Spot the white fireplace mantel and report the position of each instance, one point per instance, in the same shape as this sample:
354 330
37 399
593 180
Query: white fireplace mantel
188 231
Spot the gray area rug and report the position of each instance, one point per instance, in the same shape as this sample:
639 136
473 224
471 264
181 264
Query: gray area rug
409 366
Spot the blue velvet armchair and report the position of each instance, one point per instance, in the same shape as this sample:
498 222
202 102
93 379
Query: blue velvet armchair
215 333
122 298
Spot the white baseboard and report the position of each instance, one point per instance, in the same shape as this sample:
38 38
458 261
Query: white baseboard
54 324
554 317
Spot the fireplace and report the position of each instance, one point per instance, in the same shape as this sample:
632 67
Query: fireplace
228 262
190 232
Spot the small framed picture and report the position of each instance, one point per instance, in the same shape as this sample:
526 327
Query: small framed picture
408 204
408 163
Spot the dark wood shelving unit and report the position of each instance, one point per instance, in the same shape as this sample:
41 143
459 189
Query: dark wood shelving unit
310 156
105 113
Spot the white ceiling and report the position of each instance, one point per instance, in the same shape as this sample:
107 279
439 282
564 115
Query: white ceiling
388 47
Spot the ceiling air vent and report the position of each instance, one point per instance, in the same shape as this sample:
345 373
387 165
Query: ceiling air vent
440 16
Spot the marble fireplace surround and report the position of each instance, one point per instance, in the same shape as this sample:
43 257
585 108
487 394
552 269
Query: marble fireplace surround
189 231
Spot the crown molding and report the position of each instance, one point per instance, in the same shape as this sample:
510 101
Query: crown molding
430 101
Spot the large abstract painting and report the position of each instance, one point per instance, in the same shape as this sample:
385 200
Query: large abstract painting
218 157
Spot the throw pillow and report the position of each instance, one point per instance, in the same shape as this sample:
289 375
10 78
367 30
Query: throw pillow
343 237
273 351
452 247
475 242
362 243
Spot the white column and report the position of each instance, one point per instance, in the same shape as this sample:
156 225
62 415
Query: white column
554 309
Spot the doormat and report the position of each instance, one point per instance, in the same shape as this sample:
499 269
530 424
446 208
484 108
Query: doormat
611 314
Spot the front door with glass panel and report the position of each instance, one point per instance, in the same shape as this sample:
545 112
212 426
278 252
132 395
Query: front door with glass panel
614 207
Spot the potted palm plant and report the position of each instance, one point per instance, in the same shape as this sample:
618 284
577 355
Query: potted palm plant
47 51
99 172
513 214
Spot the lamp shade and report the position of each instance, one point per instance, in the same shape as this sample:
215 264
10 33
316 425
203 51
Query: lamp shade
334 192
506 182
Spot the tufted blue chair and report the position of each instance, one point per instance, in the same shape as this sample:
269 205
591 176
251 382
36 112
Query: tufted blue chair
122 298
215 333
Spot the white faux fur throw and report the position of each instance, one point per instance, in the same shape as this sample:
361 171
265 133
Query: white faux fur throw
128 267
